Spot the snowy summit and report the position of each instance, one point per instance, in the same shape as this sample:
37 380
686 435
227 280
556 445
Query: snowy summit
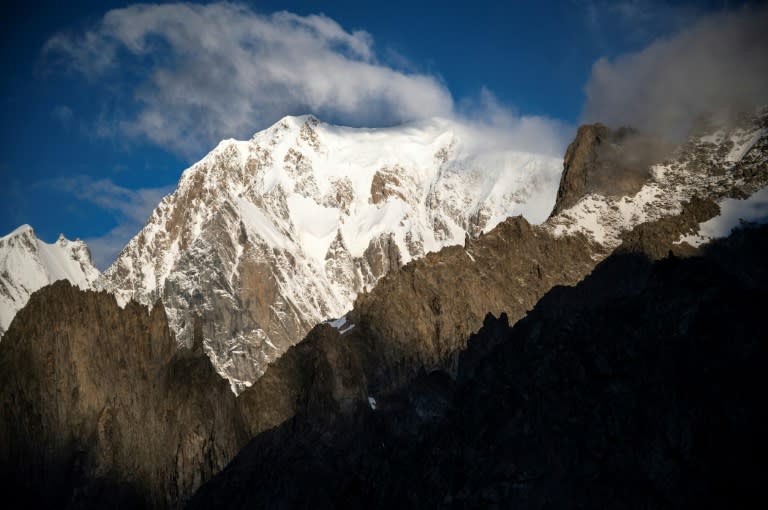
265 238
27 264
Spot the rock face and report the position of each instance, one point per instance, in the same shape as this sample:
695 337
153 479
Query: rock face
265 238
731 162
99 409
606 162
27 263
421 316
640 395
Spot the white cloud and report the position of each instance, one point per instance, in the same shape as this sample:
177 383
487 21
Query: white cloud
493 126
129 207
717 65
221 70
204 73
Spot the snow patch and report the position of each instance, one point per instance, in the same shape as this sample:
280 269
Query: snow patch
733 212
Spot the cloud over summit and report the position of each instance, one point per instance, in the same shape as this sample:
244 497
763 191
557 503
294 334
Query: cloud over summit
719 64
221 70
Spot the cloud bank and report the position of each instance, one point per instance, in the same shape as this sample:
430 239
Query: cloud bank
207 72
718 65
202 73
191 75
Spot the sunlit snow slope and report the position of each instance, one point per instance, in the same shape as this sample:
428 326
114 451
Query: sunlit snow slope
27 263
265 238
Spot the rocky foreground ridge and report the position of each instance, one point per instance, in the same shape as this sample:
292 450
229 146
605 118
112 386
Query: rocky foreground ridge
637 388
416 320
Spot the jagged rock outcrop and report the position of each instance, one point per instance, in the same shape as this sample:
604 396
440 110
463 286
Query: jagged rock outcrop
100 409
645 394
422 315
607 162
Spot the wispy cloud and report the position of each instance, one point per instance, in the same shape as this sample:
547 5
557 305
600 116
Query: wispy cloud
63 114
496 126
199 73
222 70
637 22
719 64
129 207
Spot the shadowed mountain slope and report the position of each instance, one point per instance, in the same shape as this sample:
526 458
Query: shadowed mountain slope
638 388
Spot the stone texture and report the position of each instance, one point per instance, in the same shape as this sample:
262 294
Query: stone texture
95 398
607 162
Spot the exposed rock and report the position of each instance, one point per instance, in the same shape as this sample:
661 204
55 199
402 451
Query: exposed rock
610 163
271 208
658 238
386 183
645 394
96 398
421 316
381 257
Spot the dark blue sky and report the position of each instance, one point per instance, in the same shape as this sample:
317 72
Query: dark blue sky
69 164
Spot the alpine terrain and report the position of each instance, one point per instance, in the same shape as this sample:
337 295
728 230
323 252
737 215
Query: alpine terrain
622 373
27 263
265 238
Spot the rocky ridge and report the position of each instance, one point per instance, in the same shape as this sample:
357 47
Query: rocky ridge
644 394
429 308
99 407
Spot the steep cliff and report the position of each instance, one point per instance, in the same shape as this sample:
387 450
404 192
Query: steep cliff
100 409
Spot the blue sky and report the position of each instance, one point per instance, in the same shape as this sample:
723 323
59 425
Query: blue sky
103 108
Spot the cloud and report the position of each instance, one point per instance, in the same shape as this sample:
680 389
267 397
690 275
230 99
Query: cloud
129 207
492 126
718 65
633 21
185 76
63 114
221 70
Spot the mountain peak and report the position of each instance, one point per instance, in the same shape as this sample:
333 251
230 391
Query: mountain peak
27 264
24 229
251 226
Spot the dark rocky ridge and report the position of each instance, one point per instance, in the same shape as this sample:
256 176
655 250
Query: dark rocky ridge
99 408
420 317
638 388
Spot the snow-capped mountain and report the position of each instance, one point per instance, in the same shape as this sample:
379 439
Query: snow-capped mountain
27 264
727 166
267 237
